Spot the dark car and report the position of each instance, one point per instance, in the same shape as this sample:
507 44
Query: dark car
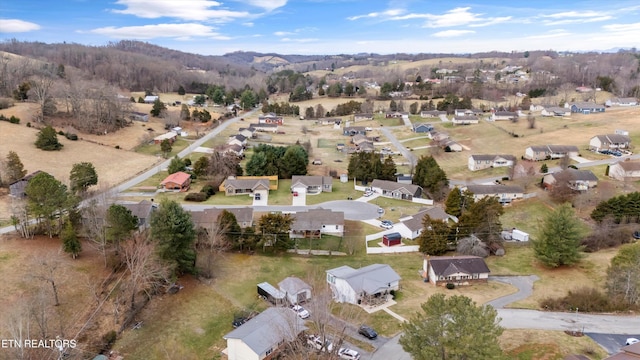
636 234
239 321
367 332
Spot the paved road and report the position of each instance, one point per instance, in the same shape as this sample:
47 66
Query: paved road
403 150
524 284
611 342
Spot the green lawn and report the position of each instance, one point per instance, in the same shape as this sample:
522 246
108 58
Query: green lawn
340 191
525 215
154 149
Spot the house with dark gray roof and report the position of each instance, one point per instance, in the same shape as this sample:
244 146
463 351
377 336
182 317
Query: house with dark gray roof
17 188
354 130
479 162
504 193
504 115
362 117
609 142
585 107
235 186
396 190
422 128
142 211
547 152
311 184
414 222
464 120
315 222
367 285
629 101
208 218
264 335
458 270
432 113
579 180
264 127
557 111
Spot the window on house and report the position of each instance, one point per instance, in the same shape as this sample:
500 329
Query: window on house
475 276
268 352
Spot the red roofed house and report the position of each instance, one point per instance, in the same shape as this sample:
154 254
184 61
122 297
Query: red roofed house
179 181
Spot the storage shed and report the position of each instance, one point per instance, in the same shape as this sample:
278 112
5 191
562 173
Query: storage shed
392 239
296 290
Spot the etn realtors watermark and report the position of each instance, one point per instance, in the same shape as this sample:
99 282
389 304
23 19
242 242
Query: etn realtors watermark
59 344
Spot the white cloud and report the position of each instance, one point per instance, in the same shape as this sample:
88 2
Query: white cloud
578 21
453 33
248 24
390 12
456 17
268 5
622 27
573 14
307 40
492 21
178 31
17 26
282 33
550 35
198 10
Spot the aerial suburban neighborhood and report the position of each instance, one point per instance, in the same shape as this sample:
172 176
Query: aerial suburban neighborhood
165 204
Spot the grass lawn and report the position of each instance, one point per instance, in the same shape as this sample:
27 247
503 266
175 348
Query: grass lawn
340 191
548 345
154 149
525 215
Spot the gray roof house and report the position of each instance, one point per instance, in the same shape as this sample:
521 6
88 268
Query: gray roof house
585 107
142 211
546 152
555 111
243 186
16 188
459 270
464 120
361 117
432 113
579 180
209 217
422 128
504 115
264 335
354 130
367 285
609 142
312 184
629 101
504 193
480 162
414 223
396 190
315 222
296 290
625 170
264 127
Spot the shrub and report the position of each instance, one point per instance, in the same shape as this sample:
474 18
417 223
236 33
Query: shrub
117 146
28 124
451 286
61 133
586 300
108 340
14 120
6 103
209 190
197 197
186 161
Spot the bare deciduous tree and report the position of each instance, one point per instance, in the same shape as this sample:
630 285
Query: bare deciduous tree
47 269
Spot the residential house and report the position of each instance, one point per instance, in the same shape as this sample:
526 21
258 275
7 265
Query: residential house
366 146
395 115
393 189
480 162
585 107
463 112
142 211
404 179
579 180
237 139
422 128
354 130
328 121
458 270
17 188
625 170
264 127
245 185
139 116
171 136
296 290
235 149
452 146
367 285
464 120
362 117
546 152
208 218
247 132
555 111
504 115
609 142
263 336
150 99
630 101
311 184
629 352
439 136
432 114
414 222
315 222
270 118
504 193
178 181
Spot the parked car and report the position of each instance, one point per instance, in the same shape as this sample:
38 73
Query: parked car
631 341
380 210
315 342
239 321
367 332
300 311
386 224
368 193
348 354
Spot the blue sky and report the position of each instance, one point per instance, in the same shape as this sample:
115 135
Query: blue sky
329 26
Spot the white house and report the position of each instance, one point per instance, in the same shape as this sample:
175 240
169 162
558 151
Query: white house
362 286
579 180
150 99
504 193
545 152
555 111
480 162
622 102
609 142
264 335
504 115
296 290
625 170
315 222
414 222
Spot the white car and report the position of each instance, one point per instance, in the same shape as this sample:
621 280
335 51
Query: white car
316 343
386 224
300 311
368 193
348 354
631 341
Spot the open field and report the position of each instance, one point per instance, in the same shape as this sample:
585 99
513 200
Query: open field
547 345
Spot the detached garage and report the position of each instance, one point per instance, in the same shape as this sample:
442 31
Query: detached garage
392 239
296 290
